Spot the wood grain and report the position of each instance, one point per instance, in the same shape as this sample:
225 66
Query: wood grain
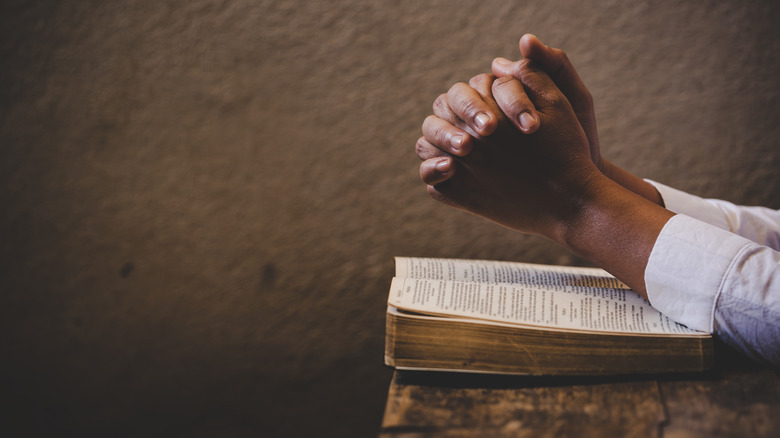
729 402
600 409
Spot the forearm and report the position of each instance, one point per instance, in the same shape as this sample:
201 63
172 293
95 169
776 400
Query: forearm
631 182
614 228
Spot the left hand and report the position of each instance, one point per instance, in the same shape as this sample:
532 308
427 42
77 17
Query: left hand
525 182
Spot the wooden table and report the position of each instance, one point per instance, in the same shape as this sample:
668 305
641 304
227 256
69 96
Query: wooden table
739 399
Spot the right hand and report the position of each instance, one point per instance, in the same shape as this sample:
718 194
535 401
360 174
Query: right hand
529 183
462 112
556 64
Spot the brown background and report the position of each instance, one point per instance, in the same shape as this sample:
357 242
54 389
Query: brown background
200 201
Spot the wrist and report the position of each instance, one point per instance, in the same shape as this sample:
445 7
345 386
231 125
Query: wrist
614 228
609 170
631 182
581 202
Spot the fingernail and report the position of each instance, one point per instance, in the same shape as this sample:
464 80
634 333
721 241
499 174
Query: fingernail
481 121
527 121
443 165
502 61
456 141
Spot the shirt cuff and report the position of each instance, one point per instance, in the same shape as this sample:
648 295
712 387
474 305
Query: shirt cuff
691 205
686 270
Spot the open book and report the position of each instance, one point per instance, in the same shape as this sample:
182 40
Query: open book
519 318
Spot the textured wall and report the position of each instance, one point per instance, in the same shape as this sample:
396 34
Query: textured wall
200 201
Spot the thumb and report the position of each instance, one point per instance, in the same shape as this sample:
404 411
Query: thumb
557 65
530 78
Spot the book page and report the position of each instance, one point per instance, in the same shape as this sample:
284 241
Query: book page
578 308
485 271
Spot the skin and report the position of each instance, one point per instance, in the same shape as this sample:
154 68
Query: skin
462 103
557 64
547 177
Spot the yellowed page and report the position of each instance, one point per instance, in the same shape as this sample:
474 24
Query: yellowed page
487 271
574 308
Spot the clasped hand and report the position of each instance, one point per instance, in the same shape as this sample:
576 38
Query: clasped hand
526 170
521 148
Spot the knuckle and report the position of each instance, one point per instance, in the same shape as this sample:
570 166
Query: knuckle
440 135
470 109
421 147
456 93
532 66
440 103
520 67
468 106
564 62
431 128
456 88
511 97
503 81
564 57
587 97
557 100
465 102
515 106
480 79
428 124
435 131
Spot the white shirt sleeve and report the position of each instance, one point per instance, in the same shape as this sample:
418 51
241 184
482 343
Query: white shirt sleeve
759 224
710 274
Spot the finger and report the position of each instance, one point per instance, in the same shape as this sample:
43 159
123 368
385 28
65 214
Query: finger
425 150
481 84
442 110
503 67
437 170
556 63
446 137
515 104
539 87
436 194
469 106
